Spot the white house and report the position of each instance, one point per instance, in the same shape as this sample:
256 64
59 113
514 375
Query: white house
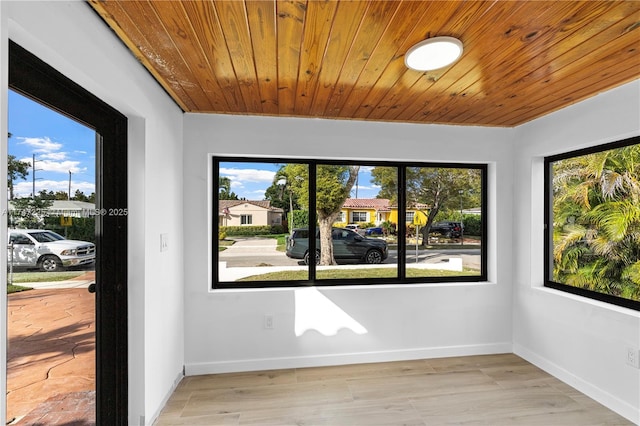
177 325
247 212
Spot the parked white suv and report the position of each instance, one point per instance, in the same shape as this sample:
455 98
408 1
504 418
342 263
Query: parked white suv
40 248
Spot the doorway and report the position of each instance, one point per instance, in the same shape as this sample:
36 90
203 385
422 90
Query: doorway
51 264
34 79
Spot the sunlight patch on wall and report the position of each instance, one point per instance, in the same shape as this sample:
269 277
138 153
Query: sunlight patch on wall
314 311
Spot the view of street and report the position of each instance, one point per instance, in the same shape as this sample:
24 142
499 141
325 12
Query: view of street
249 253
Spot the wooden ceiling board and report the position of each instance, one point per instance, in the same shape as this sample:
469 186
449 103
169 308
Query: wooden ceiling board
262 26
343 30
317 28
569 77
543 78
458 84
388 50
214 63
344 59
408 81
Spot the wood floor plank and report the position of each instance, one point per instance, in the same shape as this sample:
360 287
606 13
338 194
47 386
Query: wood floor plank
490 406
238 380
476 362
390 412
261 397
475 390
361 371
420 385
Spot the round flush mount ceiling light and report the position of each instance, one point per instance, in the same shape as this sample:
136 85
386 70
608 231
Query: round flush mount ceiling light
433 53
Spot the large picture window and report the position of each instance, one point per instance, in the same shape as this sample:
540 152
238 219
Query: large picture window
330 223
592 217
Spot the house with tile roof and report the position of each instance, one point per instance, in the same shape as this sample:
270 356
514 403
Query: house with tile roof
248 213
364 210
376 211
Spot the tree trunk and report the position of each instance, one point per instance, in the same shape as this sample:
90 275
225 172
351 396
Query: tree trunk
326 243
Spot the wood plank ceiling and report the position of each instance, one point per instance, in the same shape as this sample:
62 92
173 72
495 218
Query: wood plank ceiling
345 59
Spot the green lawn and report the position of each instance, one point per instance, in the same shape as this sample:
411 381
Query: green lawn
356 273
16 288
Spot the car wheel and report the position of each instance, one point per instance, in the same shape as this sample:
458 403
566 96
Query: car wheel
373 256
306 258
50 263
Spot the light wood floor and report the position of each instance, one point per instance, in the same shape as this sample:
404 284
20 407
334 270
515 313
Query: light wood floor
476 390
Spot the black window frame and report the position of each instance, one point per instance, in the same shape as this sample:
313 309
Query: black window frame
548 225
33 78
401 278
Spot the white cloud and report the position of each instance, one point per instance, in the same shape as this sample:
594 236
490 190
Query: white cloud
60 166
23 189
241 176
41 145
56 156
47 165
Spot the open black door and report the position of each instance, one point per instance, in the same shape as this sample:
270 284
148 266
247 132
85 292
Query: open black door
33 78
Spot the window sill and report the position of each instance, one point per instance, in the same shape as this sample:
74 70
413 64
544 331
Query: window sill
359 287
586 300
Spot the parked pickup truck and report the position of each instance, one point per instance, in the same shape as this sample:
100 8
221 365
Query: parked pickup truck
447 229
46 250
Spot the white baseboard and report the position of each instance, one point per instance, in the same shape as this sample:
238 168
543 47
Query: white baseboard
610 401
151 420
235 366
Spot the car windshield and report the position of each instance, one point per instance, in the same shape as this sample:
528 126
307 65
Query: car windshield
46 236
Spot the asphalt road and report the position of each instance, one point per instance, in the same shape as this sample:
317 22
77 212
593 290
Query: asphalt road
248 252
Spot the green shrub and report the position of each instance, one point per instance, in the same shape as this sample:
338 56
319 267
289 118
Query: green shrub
222 235
300 218
472 224
251 231
82 228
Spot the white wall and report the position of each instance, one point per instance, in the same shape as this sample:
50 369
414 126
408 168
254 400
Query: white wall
224 328
581 341
74 40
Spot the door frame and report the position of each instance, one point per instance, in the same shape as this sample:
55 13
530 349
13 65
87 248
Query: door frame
37 80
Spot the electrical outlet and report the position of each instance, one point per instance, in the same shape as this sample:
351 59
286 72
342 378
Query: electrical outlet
633 357
268 322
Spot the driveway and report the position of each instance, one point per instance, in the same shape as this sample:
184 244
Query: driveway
251 251
51 355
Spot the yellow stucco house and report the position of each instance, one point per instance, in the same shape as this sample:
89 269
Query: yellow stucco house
376 211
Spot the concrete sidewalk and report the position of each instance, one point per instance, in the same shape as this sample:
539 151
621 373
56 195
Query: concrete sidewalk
51 355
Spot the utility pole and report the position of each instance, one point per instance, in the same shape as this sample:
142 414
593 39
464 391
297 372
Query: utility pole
69 196
33 176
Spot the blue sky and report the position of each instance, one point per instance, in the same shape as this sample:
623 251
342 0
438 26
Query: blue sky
59 144
250 180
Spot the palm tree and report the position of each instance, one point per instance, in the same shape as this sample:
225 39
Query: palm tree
596 230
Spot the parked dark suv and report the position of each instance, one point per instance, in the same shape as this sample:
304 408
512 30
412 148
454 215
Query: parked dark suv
347 244
447 229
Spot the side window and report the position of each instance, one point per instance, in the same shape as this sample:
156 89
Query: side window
20 239
592 217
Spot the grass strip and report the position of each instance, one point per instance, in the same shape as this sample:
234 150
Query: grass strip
16 288
345 274
38 277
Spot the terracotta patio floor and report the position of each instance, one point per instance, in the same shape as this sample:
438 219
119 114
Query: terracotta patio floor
51 357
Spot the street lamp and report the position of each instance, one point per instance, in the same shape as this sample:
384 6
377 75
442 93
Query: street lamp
284 182
461 219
